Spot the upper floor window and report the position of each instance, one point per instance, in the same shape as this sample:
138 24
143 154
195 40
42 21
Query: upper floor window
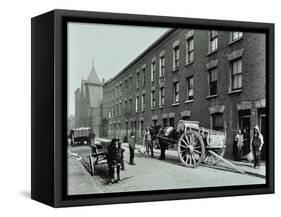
126 106
213 81
117 90
126 85
162 66
130 105
176 57
143 76
131 83
120 89
143 102
117 109
235 36
120 108
153 100
236 74
153 71
176 91
189 88
137 103
138 79
213 40
189 50
161 96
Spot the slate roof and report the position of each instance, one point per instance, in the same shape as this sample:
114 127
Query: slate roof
93 77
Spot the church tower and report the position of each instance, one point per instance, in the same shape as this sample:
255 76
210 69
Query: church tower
94 93
88 100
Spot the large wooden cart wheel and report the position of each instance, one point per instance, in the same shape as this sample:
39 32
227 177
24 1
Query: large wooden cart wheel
191 148
212 159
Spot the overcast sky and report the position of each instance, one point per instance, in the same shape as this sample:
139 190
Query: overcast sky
111 46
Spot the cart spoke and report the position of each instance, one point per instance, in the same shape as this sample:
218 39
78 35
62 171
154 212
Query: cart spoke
189 159
192 140
197 156
192 155
186 159
184 155
184 142
196 151
187 139
183 146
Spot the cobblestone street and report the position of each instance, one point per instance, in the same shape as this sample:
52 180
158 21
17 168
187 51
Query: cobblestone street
149 174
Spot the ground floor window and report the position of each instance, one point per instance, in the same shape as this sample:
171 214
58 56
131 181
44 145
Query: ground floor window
186 118
172 122
217 122
141 128
165 122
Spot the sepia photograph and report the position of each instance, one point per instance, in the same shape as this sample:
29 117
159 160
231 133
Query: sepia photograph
154 108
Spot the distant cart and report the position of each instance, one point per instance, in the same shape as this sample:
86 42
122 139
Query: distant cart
98 153
195 144
81 136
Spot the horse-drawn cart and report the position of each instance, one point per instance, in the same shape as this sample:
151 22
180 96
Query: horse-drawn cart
81 136
98 154
194 144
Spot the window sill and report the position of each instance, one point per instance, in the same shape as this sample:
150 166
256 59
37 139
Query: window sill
153 109
161 107
232 42
175 104
211 96
189 64
189 101
235 91
175 70
211 52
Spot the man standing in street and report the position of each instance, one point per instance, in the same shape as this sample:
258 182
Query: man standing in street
239 143
119 159
132 147
256 146
111 160
148 143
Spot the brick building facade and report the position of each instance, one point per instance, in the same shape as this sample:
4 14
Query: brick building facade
214 77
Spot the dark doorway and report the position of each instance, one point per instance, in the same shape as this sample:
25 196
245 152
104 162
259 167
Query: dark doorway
245 123
244 119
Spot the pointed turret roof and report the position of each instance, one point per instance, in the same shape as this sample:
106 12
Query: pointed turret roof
93 77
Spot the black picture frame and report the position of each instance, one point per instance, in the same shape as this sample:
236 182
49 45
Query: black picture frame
49 106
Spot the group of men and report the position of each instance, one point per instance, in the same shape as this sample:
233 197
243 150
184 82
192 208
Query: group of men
244 147
115 153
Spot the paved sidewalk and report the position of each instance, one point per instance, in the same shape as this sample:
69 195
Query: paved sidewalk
79 180
245 166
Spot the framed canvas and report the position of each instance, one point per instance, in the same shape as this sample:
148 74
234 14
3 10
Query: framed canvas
134 108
